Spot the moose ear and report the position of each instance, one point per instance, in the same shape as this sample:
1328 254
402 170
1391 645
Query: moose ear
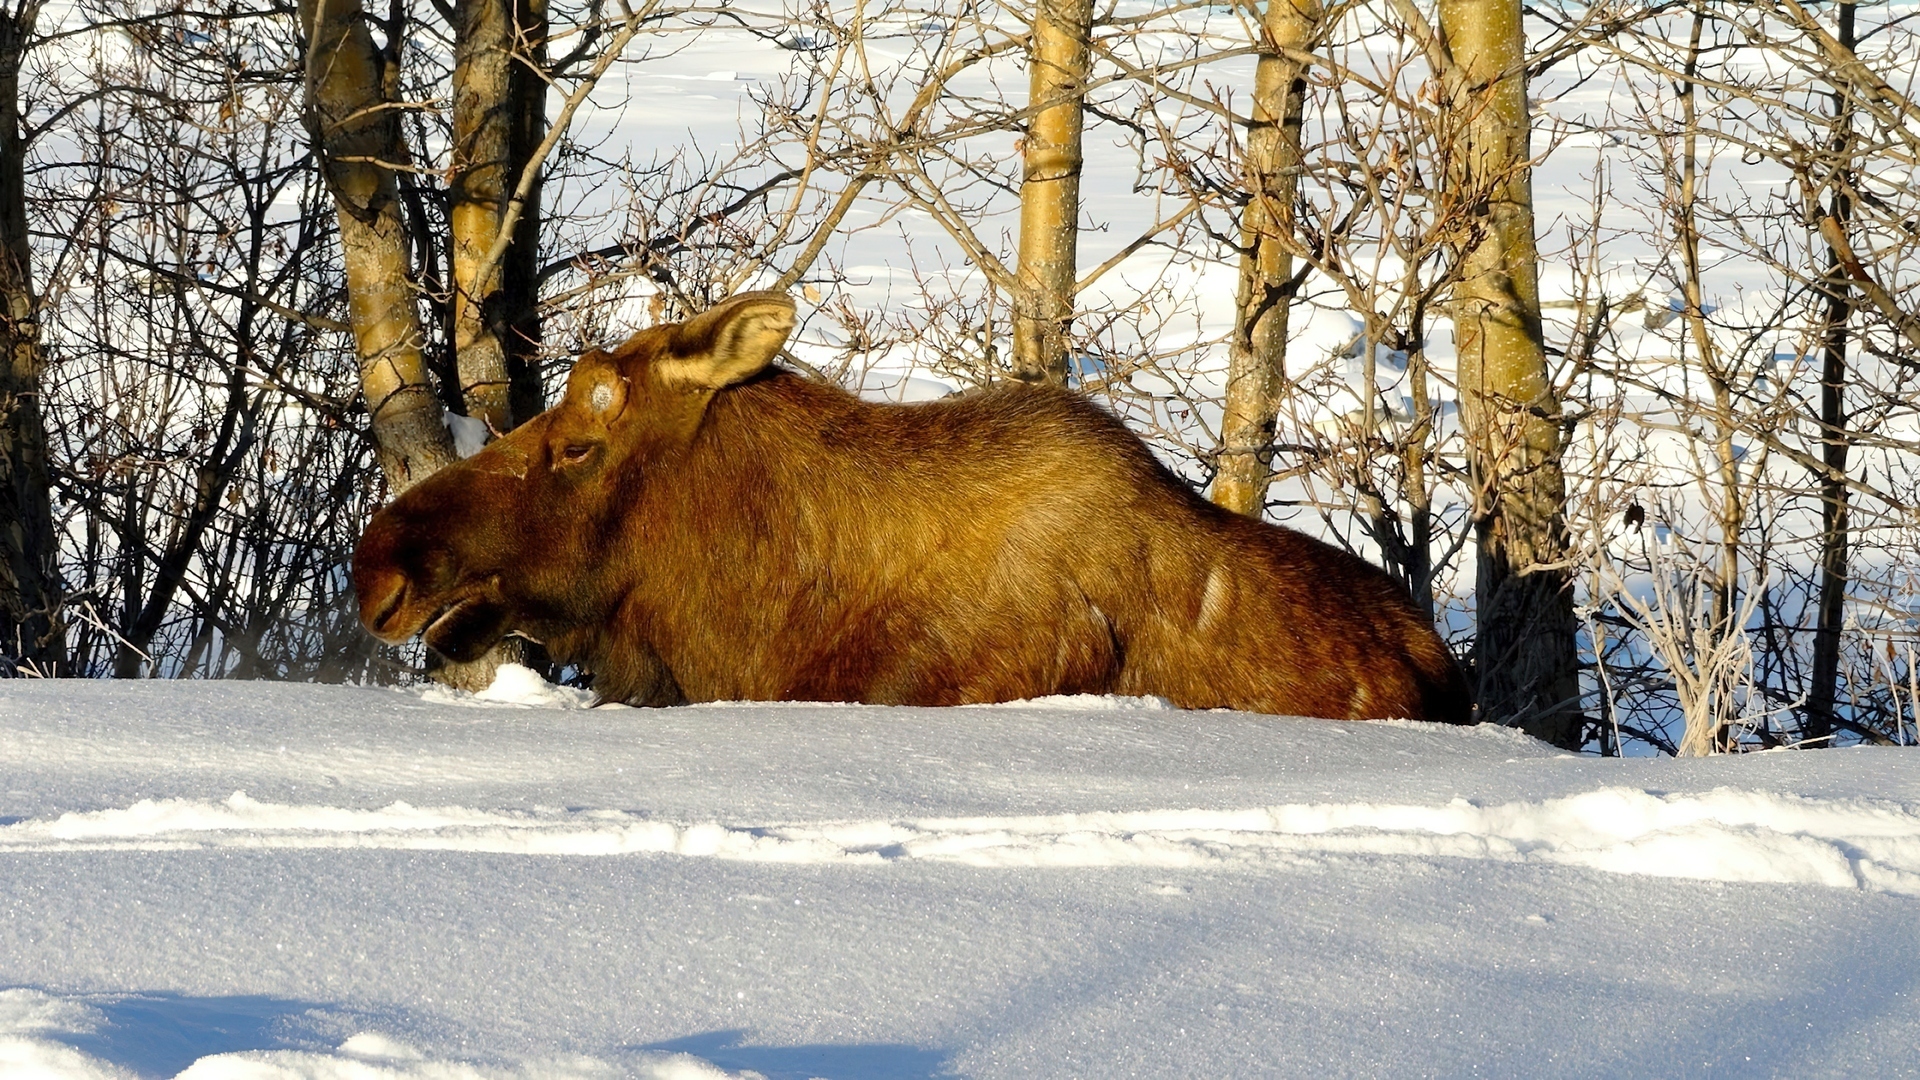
729 342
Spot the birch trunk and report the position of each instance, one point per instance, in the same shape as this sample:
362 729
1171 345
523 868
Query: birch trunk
356 132
499 117
1256 360
1050 191
1527 666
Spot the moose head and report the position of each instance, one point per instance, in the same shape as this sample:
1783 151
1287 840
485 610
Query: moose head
523 536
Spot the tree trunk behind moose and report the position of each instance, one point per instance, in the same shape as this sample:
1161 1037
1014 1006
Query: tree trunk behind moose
499 117
1057 66
29 547
356 131
1526 664
1256 360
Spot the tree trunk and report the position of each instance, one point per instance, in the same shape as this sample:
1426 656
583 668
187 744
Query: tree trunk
1731 504
29 548
1824 685
499 117
356 132
1050 192
1823 689
1527 666
234 438
1256 360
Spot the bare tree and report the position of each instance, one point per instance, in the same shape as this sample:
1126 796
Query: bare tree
30 593
188 290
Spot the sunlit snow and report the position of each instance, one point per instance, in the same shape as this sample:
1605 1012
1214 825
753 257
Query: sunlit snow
280 881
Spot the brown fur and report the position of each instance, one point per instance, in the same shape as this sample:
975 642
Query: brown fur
734 531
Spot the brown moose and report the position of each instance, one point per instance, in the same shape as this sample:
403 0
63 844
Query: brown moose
690 523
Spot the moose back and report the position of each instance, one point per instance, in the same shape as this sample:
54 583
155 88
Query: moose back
691 523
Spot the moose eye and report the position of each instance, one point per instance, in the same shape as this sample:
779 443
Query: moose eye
576 453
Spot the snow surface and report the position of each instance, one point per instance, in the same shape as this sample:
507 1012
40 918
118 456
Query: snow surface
268 881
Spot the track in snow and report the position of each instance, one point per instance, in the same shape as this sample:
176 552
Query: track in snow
1722 835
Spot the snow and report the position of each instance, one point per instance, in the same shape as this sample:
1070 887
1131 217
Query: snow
515 684
1724 835
270 880
469 433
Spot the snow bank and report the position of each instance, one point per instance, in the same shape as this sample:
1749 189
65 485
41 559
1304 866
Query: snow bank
371 1056
263 880
1724 835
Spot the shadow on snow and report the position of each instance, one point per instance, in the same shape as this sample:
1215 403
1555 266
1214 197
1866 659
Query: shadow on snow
160 1034
828 1061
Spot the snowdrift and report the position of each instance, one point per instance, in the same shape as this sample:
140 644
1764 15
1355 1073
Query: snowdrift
263 880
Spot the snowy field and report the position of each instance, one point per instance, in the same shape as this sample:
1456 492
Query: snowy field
268 880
